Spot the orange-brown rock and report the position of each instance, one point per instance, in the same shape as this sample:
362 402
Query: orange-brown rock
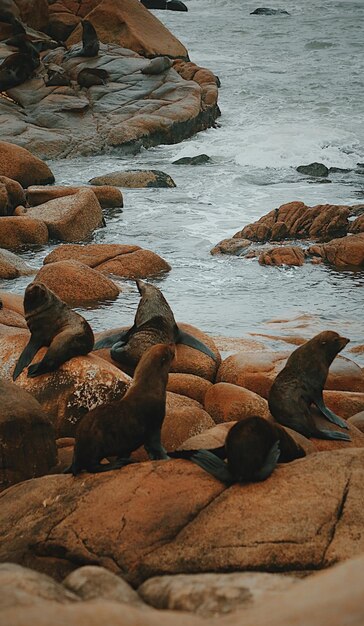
168 517
135 179
11 195
208 82
93 254
107 195
27 437
238 247
34 13
76 283
357 226
282 255
189 385
342 252
129 24
70 218
62 21
81 8
357 420
12 266
191 361
19 231
19 164
12 301
11 318
138 264
323 445
344 403
226 402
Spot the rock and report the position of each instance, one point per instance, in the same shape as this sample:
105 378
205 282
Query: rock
76 283
357 226
91 582
61 21
313 169
34 13
11 195
19 231
27 438
11 318
12 301
282 255
22 166
129 24
171 5
191 361
169 517
23 587
189 385
357 420
323 445
12 266
226 403
108 196
238 247
209 595
344 403
266 11
200 159
343 252
135 179
122 260
70 218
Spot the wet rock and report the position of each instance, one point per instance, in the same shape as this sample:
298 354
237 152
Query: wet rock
226 402
11 195
108 196
76 283
12 266
357 226
189 385
121 260
19 231
200 159
20 165
23 587
171 5
27 437
92 582
209 595
70 218
267 11
238 247
357 420
313 169
135 179
282 255
343 252
169 517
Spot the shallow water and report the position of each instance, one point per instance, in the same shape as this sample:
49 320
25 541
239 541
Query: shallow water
292 93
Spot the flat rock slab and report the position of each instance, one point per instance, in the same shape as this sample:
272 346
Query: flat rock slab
19 231
108 196
168 517
12 266
135 179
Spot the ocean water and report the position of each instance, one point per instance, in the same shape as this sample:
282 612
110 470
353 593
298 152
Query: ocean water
291 93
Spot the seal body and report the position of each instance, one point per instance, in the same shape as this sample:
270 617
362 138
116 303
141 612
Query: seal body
90 42
158 66
90 76
120 427
51 323
18 67
154 323
300 384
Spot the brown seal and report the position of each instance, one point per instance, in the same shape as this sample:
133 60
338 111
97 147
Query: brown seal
18 67
90 42
90 76
120 427
253 447
154 323
51 323
157 66
301 383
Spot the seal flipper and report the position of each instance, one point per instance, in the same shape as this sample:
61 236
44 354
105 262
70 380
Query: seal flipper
330 434
26 356
334 419
220 452
269 463
108 342
213 465
189 340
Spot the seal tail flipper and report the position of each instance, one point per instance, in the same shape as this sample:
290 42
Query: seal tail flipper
26 357
269 464
108 342
330 434
187 454
334 419
189 340
213 465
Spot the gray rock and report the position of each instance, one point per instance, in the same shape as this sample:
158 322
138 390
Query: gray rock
196 160
313 169
267 11
91 582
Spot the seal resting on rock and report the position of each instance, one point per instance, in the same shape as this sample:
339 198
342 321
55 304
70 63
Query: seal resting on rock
18 67
90 42
158 66
301 383
51 323
90 76
120 427
253 447
154 323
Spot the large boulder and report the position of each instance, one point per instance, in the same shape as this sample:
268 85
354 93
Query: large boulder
11 195
226 402
343 252
135 179
12 266
76 283
108 196
27 436
34 13
189 385
19 231
129 24
24 587
282 255
70 218
168 517
19 164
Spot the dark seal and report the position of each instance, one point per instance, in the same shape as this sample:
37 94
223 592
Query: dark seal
90 42
120 427
18 67
51 323
157 66
154 323
90 76
252 449
301 383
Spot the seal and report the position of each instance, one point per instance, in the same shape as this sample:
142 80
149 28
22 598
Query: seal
301 383
51 323
90 76
120 427
18 67
154 323
252 449
90 42
157 66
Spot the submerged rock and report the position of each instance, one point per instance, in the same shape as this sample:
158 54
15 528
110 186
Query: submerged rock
313 169
268 11
200 159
